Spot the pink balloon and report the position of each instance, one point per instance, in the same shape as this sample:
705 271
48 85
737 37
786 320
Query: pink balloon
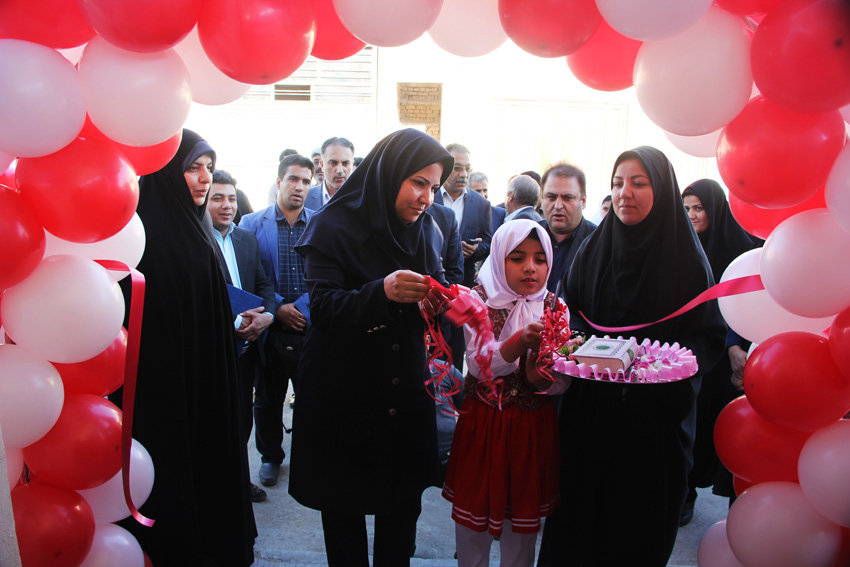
31 396
387 23
652 20
43 108
773 525
696 82
714 550
804 251
113 545
84 307
824 468
14 465
837 190
207 83
451 31
107 500
137 99
756 315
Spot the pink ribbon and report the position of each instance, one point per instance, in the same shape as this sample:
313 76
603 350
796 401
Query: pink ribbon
131 366
735 286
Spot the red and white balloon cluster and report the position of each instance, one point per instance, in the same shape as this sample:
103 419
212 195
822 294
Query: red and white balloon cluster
760 84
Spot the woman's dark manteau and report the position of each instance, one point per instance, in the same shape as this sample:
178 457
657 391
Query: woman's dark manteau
186 410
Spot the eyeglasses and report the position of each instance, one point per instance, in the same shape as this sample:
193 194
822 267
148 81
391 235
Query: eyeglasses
466 168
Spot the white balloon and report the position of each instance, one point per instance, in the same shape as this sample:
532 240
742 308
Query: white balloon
469 28
802 265
41 102
73 54
5 161
137 99
126 246
207 83
113 545
845 112
387 23
837 191
107 500
651 20
699 80
755 315
31 396
699 146
68 310
14 465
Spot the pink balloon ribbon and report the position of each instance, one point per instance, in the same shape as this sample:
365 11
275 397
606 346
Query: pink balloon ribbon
131 366
735 286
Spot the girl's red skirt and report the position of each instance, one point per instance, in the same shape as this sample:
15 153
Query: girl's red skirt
504 465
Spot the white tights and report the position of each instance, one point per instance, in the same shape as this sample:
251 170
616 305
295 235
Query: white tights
473 548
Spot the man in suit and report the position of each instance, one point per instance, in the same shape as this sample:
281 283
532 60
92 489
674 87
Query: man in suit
336 162
472 212
564 199
245 270
521 199
450 251
277 229
479 183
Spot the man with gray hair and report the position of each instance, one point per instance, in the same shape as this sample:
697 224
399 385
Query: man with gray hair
521 199
336 162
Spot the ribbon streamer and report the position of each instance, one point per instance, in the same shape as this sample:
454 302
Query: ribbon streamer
131 366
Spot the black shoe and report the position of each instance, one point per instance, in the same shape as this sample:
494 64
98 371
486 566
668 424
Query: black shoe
687 513
257 493
268 474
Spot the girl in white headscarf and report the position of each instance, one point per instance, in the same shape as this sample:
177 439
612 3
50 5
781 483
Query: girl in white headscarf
503 469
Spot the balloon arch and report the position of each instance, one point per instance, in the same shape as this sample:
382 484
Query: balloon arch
74 136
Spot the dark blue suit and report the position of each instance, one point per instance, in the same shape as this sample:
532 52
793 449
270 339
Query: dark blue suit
528 213
254 280
563 252
475 223
283 346
450 250
498 218
314 197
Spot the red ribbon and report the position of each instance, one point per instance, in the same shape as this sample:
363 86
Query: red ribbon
131 366
735 286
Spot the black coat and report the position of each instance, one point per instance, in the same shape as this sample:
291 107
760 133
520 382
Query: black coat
450 250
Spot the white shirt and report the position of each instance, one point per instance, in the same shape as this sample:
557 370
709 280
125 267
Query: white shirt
456 206
325 195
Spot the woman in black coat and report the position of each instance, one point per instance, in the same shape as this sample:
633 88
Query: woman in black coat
187 408
364 433
626 448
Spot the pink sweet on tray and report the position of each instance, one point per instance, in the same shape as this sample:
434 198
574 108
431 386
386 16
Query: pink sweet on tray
653 363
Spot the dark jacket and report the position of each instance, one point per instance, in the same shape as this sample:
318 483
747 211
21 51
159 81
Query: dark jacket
476 223
450 250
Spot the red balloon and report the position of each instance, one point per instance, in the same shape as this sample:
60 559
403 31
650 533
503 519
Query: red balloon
549 28
85 192
801 55
142 25
774 158
839 341
144 159
740 485
755 449
21 239
761 222
607 61
148 562
257 41
333 40
55 526
748 7
792 381
83 449
7 178
100 375
56 23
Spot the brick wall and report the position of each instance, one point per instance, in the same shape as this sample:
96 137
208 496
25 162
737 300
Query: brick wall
421 103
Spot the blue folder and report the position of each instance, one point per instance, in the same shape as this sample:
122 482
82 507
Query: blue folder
241 300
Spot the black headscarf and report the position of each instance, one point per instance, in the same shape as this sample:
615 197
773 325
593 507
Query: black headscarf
624 275
724 239
364 209
187 398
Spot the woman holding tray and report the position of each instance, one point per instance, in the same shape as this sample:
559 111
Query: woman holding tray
626 448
